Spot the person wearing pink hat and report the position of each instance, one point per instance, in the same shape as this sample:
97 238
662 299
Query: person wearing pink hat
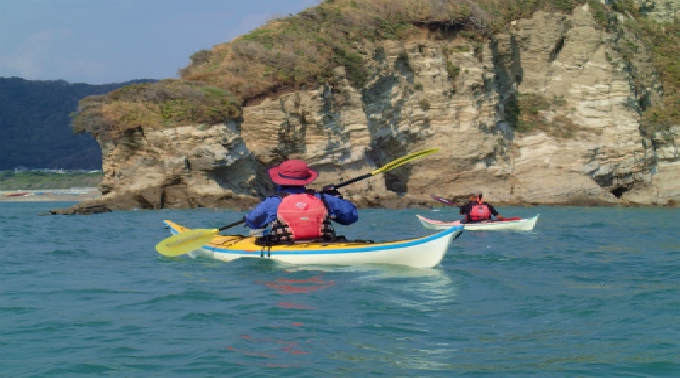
476 210
296 213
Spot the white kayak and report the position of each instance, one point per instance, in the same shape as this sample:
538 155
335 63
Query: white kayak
521 224
423 252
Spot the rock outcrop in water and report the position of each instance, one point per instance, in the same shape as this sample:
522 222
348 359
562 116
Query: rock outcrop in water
579 142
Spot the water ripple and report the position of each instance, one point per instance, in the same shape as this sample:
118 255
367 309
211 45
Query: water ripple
581 295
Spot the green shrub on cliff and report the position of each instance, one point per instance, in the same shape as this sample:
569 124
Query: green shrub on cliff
167 103
666 58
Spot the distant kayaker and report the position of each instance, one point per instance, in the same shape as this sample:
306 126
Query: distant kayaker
476 210
296 213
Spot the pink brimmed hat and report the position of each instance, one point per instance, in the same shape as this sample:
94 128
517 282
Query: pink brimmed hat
292 172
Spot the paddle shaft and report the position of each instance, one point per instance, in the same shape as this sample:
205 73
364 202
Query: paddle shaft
232 225
444 200
387 167
330 188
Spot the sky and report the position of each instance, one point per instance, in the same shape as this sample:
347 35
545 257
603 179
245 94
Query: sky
113 41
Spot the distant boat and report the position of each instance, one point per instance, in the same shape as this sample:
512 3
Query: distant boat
513 223
18 194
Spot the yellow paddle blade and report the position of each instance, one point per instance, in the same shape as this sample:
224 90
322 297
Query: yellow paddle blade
185 242
403 160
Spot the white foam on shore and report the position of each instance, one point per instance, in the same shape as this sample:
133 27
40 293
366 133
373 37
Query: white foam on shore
73 194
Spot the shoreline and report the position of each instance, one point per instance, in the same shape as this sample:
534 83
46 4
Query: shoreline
50 195
79 195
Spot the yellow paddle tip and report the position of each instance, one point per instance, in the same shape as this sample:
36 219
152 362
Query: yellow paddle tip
406 159
185 242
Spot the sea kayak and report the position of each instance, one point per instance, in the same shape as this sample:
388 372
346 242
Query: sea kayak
522 224
423 252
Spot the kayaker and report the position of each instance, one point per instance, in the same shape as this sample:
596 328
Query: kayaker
296 213
476 210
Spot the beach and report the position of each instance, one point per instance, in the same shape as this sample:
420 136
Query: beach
73 194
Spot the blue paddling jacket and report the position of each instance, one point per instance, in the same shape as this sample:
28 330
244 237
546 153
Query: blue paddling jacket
341 211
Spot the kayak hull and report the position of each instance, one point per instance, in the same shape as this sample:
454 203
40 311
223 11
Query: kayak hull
423 252
526 224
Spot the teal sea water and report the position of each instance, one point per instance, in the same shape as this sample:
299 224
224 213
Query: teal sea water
590 292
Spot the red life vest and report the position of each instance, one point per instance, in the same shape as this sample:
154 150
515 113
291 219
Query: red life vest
479 212
301 216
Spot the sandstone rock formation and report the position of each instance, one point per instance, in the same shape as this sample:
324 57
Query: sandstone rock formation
439 90
659 10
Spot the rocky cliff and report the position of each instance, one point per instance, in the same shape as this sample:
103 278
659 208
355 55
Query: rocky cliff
546 112
659 10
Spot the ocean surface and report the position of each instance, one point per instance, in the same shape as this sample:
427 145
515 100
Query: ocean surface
592 291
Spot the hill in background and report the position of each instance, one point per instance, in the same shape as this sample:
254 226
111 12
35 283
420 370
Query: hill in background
35 124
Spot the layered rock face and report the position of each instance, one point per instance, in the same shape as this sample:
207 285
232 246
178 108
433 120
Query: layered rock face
182 167
659 10
582 146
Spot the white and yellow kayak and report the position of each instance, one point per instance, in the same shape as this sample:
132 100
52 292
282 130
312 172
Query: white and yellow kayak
423 252
516 224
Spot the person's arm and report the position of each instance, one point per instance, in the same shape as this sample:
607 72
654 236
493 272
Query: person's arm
494 212
342 211
263 214
464 211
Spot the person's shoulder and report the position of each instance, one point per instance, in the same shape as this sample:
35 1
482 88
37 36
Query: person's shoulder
336 200
274 198
330 197
277 195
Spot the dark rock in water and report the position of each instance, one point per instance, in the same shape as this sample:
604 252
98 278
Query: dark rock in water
81 210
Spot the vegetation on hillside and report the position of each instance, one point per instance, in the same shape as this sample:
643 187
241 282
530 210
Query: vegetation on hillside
169 102
664 41
302 50
36 180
